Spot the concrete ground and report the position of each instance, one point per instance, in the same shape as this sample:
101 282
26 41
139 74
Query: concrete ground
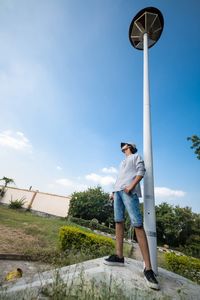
28 268
129 278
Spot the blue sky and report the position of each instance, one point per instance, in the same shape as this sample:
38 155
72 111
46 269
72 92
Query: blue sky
71 91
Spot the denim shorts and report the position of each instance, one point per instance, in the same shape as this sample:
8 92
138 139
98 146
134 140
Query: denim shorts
131 202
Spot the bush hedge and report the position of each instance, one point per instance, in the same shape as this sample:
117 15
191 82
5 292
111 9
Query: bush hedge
186 266
78 240
91 224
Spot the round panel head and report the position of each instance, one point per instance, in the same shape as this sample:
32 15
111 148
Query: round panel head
149 20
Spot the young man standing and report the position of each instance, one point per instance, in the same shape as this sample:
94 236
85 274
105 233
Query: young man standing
126 193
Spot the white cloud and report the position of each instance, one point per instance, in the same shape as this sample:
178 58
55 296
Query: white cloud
110 170
58 168
164 192
71 185
65 182
15 140
102 180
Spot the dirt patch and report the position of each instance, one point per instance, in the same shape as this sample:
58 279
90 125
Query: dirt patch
16 241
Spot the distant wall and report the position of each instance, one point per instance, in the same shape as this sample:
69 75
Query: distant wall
42 202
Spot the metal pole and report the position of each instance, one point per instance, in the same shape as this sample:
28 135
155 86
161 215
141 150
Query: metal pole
149 200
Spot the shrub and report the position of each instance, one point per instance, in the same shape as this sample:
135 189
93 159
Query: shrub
72 238
91 224
92 203
16 204
184 265
94 221
192 249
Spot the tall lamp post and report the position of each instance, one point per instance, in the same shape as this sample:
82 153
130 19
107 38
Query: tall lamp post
145 30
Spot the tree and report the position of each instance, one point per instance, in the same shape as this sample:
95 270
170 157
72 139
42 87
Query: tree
92 204
6 182
195 144
178 227
166 224
185 219
192 246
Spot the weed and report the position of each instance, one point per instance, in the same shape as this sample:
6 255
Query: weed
17 204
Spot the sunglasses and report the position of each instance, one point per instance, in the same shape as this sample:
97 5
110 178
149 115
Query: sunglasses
123 150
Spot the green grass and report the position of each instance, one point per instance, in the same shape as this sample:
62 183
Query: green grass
161 260
42 230
45 228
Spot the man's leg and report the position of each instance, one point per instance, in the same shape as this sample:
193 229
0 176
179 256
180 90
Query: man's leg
131 203
148 272
143 244
119 230
118 259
